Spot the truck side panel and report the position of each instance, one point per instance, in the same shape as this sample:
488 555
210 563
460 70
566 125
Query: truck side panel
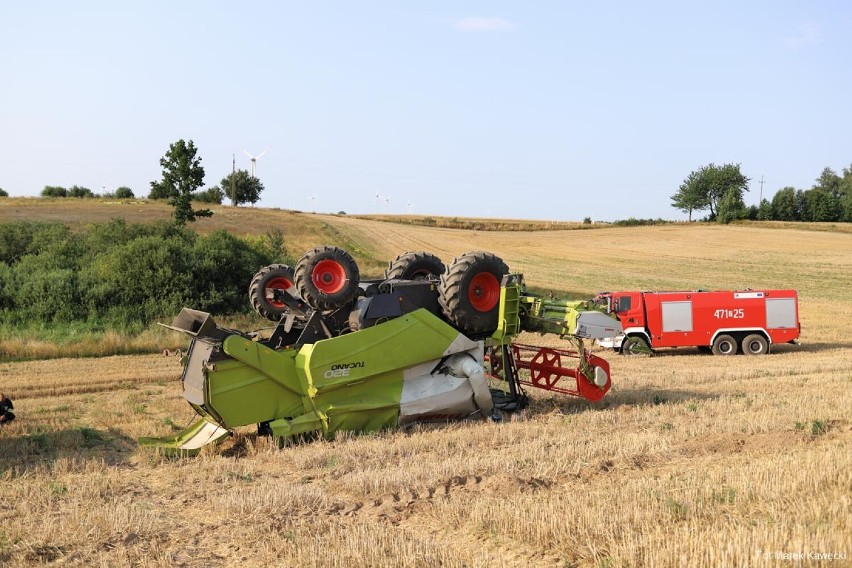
679 319
782 316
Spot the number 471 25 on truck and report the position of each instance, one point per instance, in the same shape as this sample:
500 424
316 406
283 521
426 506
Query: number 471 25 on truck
725 322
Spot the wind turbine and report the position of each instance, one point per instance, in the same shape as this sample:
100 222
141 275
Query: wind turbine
377 201
387 203
313 199
254 160
410 207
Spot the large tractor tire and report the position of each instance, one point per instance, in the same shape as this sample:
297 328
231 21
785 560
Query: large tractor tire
415 266
635 345
327 278
274 276
469 292
724 344
755 344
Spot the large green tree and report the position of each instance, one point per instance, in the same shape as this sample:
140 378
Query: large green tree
764 211
829 182
706 187
785 205
182 175
731 207
822 206
846 194
246 188
690 196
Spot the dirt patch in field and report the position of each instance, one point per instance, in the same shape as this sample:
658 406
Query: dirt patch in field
400 505
732 443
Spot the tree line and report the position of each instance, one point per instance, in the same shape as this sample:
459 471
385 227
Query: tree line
180 184
719 190
122 192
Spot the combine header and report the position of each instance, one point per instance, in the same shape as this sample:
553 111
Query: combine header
360 355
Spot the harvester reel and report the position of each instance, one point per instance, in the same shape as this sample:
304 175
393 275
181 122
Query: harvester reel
415 266
261 296
469 292
327 278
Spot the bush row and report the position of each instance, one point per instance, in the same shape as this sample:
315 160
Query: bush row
119 275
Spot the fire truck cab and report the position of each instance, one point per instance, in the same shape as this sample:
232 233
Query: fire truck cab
725 322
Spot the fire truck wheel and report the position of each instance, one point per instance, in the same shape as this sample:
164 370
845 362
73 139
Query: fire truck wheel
725 345
327 278
274 276
469 292
635 346
755 344
415 266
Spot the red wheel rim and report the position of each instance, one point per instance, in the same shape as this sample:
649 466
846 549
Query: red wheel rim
484 292
329 276
277 283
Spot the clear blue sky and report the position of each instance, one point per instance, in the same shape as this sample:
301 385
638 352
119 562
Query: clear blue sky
540 110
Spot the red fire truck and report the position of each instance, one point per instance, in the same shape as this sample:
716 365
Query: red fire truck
721 321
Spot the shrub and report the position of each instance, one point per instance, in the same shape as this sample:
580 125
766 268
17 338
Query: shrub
14 241
54 191
121 275
222 266
274 242
145 278
3 192
5 286
29 237
209 195
124 193
633 222
79 191
43 291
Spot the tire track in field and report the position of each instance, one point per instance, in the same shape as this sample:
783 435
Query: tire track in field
57 377
86 387
409 510
400 505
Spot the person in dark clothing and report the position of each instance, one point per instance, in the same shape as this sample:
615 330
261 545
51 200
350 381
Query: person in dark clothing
6 407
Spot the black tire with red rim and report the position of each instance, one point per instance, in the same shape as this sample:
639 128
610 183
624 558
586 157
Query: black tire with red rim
327 278
469 292
272 277
415 266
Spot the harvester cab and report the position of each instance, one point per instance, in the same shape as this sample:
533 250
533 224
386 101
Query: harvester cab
427 342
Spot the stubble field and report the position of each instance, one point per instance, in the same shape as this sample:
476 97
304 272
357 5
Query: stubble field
690 460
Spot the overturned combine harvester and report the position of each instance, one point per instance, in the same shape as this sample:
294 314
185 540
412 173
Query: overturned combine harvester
360 355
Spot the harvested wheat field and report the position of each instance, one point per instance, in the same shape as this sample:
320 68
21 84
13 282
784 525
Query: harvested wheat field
690 460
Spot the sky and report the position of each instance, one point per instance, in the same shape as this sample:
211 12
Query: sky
535 110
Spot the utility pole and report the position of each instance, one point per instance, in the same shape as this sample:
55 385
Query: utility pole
233 180
761 191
